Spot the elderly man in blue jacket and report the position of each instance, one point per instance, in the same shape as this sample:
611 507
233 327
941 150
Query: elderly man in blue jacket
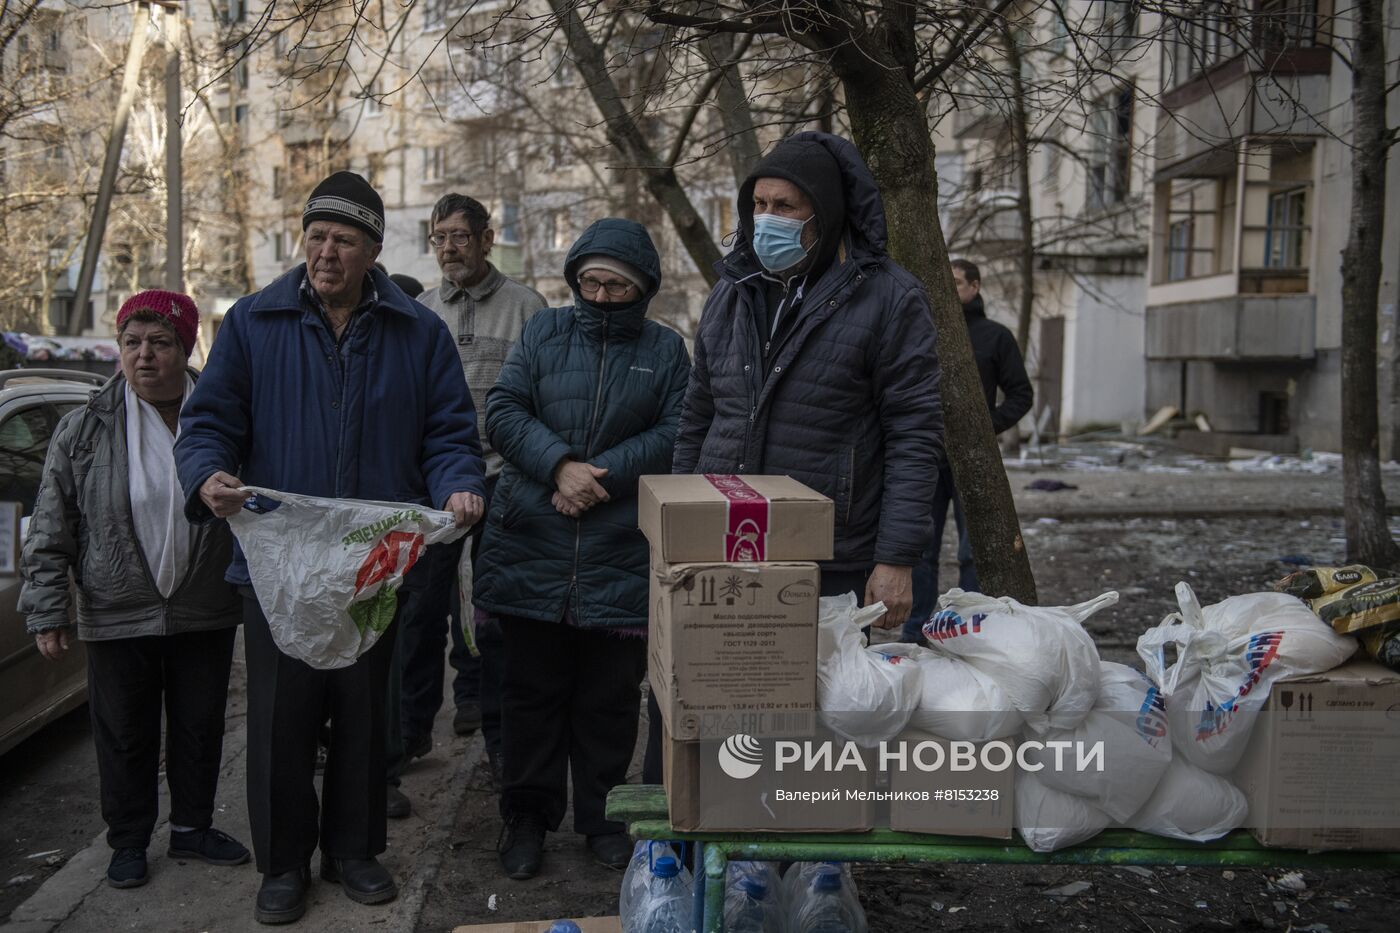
328 382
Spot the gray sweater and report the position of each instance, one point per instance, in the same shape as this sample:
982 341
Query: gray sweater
485 320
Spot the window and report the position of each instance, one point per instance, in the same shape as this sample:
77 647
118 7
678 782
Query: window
282 246
24 42
1286 231
1111 129
1118 25
24 442
53 40
508 231
240 113
1179 251
234 11
433 159
240 72
424 229
374 169
554 230
373 106
720 216
279 181
1285 24
282 42
1198 42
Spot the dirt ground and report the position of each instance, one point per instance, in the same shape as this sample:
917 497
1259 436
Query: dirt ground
1073 560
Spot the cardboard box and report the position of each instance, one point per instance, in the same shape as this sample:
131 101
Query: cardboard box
712 517
966 807
702 795
733 648
1320 769
586 924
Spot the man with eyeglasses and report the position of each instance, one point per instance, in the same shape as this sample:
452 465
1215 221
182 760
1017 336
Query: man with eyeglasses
484 311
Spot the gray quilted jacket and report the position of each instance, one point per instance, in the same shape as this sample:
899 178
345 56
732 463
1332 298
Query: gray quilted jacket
847 402
82 522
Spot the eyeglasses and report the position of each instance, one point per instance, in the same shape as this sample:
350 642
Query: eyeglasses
458 238
615 289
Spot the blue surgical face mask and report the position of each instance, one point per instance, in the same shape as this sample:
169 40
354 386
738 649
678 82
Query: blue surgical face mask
777 241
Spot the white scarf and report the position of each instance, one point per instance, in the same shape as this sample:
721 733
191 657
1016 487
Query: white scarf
157 507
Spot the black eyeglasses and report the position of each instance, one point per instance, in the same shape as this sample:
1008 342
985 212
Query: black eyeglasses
458 238
615 289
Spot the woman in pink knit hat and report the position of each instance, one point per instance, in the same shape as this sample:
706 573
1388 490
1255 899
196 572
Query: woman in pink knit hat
153 609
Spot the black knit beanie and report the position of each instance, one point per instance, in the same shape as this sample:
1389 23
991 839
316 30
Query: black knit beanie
346 198
810 166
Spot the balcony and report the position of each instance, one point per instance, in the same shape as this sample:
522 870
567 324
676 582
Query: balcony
1234 328
976 119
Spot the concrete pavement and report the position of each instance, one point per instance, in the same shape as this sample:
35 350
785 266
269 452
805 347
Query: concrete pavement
186 896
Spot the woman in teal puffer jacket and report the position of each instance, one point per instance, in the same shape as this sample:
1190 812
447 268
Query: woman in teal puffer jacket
588 401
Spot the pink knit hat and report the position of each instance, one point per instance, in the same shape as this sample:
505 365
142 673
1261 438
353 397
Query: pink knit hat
176 308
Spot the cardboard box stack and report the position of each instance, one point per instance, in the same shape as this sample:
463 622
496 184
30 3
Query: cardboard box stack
1320 769
733 628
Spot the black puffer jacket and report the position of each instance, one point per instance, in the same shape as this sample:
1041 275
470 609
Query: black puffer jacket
999 365
848 399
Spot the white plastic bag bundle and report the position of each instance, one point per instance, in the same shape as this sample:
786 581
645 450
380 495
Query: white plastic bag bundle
466 617
327 571
865 695
1130 720
1040 656
1050 819
957 701
1227 658
1191 804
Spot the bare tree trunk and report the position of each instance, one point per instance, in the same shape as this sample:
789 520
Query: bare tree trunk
1368 536
628 139
734 112
1020 141
891 129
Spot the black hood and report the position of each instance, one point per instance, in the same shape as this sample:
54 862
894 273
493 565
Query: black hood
830 171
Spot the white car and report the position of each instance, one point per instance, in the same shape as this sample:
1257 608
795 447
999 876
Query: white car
33 691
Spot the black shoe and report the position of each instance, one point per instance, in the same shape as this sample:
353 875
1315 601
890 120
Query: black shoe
521 846
417 747
127 868
467 719
612 849
397 805
208 845
282 898
365 880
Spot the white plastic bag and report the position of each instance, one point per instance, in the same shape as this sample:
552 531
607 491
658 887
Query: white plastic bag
865 694
1130 719
1039 655
1191 804
327 571
957 701
466 616
1228 656
1050 819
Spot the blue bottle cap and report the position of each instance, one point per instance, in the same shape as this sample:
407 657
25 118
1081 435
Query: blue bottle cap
563 926
666 867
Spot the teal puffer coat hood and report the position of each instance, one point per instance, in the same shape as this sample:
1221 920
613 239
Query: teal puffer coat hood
602 386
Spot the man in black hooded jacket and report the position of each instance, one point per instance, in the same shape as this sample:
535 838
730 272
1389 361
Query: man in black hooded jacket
1000 366
815 358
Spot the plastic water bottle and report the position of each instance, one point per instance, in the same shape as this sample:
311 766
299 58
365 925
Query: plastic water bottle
634 880
826 907
664 906
751 905
563 926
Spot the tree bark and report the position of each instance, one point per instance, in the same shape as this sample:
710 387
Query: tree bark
741 143
1020 141
1367 532
890 126
627 137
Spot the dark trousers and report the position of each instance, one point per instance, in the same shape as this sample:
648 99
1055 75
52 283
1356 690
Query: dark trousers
570 705
288 701
834 583
926 571
428 619
129 680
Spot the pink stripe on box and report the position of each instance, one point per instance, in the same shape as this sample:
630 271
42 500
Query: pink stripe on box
746 534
